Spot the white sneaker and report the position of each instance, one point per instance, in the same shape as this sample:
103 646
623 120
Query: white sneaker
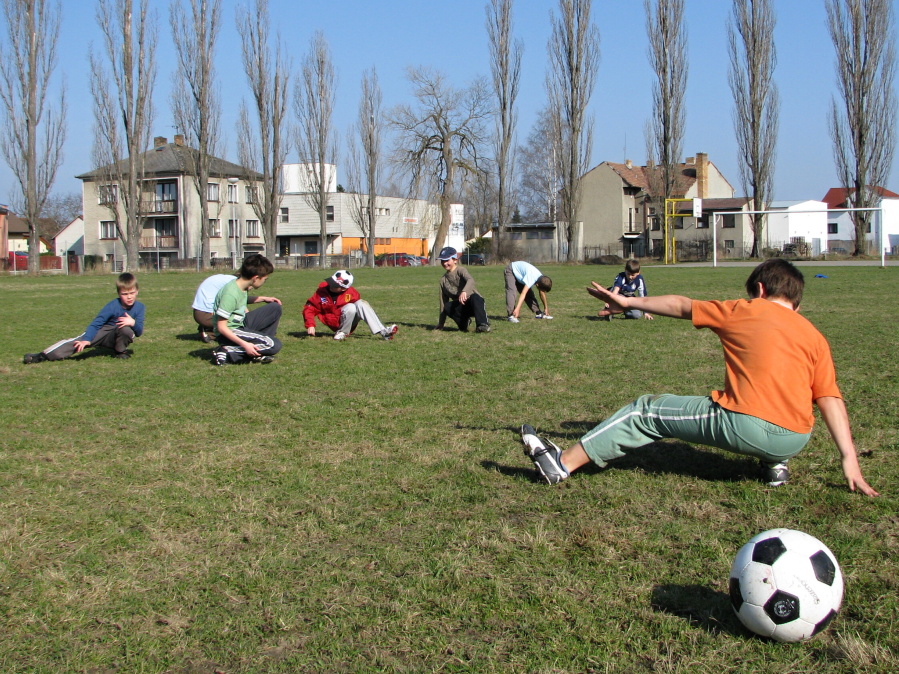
340 335
390 332
512 319
540 314
545 454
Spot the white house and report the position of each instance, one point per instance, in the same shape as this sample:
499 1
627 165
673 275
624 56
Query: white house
70 239
802 223
401 225
841 229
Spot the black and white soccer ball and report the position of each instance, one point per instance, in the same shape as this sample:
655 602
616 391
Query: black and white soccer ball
342 279
786 585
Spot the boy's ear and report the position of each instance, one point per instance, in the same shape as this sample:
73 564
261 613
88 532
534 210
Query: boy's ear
761 292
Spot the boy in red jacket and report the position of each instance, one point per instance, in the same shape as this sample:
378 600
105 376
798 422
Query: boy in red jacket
338 305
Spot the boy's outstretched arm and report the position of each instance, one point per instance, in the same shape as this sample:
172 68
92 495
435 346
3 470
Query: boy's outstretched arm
673 306
833 410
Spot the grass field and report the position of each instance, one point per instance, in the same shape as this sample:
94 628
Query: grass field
365 505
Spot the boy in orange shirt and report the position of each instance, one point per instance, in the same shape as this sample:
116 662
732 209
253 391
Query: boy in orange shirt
777 365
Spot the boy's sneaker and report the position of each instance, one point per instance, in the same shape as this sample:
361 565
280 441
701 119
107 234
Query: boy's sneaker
34 358
390 332
483 328
339 336
219 357
265 360
513 319
540 314
545 454
205 337
775 474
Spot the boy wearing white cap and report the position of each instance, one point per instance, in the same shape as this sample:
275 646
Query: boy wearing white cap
459 297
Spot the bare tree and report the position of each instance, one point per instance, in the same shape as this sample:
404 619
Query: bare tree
33 131
442 137
123 114
863 123
574 60
365 161
538 185
750 35
665 130
316 139
195 101
505 67
263 144
59 210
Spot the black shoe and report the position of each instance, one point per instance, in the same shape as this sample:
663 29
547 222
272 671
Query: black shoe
124 355
265 360
545 454
219 357
775 474
483 328
34 358
205 337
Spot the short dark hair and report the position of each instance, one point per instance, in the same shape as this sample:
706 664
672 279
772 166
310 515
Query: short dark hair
544 283
255 265
781 279
632 267
126 281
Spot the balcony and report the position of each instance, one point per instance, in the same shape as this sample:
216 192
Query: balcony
157 206
158 242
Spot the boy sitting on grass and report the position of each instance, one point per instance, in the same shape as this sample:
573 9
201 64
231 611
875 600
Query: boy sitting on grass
629 283
776 365
246 335
339 306
115 327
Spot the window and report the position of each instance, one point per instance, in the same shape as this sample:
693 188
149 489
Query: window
250 194
728 243
833 228
232 193
233 228
382 211
729 221
329 213
703 222
107 194
215 228
107 229
678 223
212 191
285 215
253 229
656 224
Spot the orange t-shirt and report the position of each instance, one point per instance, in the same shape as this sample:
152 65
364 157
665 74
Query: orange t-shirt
776 362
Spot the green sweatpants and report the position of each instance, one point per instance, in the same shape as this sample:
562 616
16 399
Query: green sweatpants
695 419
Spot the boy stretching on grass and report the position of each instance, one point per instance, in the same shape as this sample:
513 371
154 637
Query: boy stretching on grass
115 327
776 365
246 335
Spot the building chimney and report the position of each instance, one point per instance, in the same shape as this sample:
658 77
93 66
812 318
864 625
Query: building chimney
629 163
702 175
179 139
159 141
689 161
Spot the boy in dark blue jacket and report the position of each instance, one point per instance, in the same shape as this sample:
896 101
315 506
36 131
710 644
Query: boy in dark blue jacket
115 327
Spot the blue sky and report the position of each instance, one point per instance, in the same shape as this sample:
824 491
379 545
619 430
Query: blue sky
450 36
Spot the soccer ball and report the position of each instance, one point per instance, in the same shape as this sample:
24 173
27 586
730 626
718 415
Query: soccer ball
786 585
342 278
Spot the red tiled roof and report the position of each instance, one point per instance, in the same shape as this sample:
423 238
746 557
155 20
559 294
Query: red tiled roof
635 176
837 197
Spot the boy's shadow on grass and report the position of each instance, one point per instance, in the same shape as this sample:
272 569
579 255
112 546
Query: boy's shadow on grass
700 606
668 457
327 332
